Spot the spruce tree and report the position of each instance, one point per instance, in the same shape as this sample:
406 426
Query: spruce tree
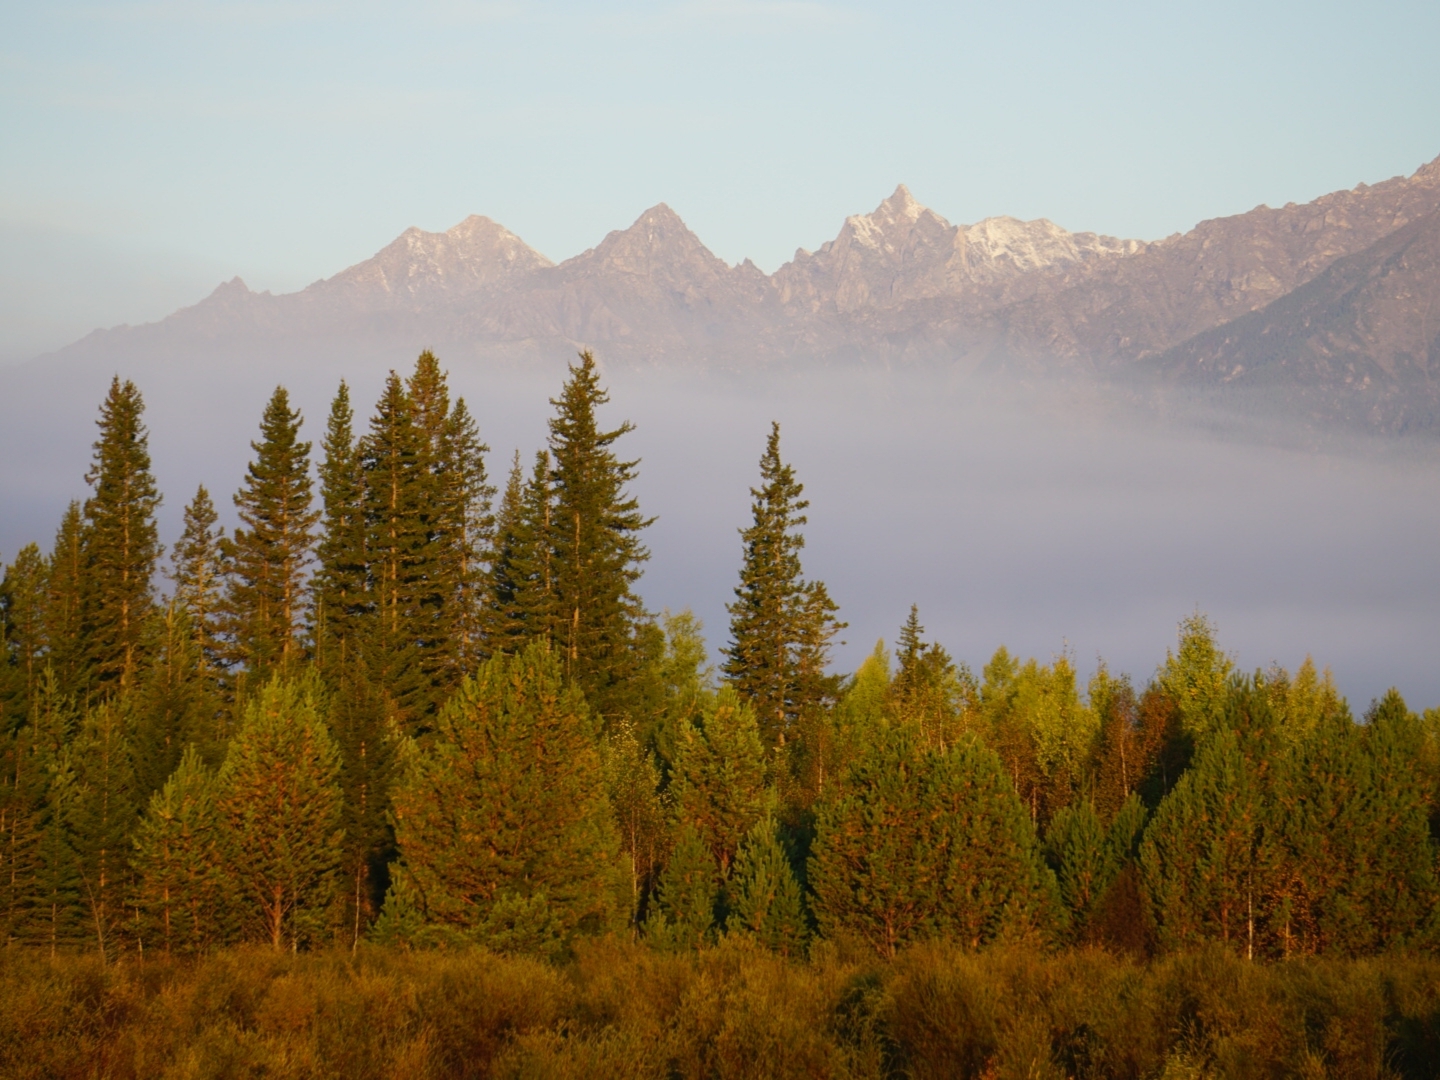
923 844
1088 858
595 540
32 826
101 812
468 526
359 722
928 690
182 887
266 560
1209 853
22 626
279 804
1395 875
427 533
520 586
719 784
780 626
398 644
119 544
764 899
506 799
176 703
197 571
503 620
457 520
339 588
686 897
63 603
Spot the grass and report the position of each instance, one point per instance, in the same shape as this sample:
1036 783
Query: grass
621 1010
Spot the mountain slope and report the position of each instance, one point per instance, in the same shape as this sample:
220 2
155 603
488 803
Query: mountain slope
1122 309
1360 343
896 285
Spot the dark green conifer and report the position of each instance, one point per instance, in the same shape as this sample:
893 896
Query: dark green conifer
63 603
36 864
523 569
279 804
339 589
1208 855
398 645
119 546
926 844
506 798
22 628
764 899
719 784
683 915
101 814
176 703
266 559
928 690
780 626
595 540
182 889
1394 853
197 571
468 525
359 724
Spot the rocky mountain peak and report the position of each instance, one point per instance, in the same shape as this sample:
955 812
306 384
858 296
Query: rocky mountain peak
424 268
659 242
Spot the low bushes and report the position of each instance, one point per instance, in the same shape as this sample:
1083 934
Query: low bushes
621 1010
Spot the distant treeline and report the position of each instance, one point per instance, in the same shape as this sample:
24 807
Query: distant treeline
423 711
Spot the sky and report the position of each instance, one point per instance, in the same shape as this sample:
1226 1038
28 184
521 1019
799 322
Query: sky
150 150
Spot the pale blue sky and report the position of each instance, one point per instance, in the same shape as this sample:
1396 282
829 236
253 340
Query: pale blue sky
148 150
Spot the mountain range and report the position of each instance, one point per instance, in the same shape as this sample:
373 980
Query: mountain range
1330 308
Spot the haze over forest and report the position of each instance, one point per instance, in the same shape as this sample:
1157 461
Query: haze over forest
1062 442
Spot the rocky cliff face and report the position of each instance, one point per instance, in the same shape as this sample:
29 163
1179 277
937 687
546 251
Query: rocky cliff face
1122 309
425 269
1360 343
896 284
904 251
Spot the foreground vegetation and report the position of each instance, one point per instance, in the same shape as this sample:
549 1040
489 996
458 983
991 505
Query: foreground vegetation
621 1010
412 784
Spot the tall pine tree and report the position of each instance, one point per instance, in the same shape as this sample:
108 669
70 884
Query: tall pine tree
398 641
23 639
266 559
119 545
780 625
595 539
339 588
197 571
63 603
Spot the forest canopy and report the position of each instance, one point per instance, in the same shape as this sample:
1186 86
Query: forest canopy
410 702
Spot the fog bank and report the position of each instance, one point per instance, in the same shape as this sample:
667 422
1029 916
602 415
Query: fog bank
1021 516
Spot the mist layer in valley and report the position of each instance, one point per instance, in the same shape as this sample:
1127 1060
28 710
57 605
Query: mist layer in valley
1022 515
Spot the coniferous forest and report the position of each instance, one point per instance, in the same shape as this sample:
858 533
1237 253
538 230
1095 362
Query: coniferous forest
398 776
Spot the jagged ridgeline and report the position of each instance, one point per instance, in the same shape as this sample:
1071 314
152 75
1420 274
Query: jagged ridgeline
1320 312
408 701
